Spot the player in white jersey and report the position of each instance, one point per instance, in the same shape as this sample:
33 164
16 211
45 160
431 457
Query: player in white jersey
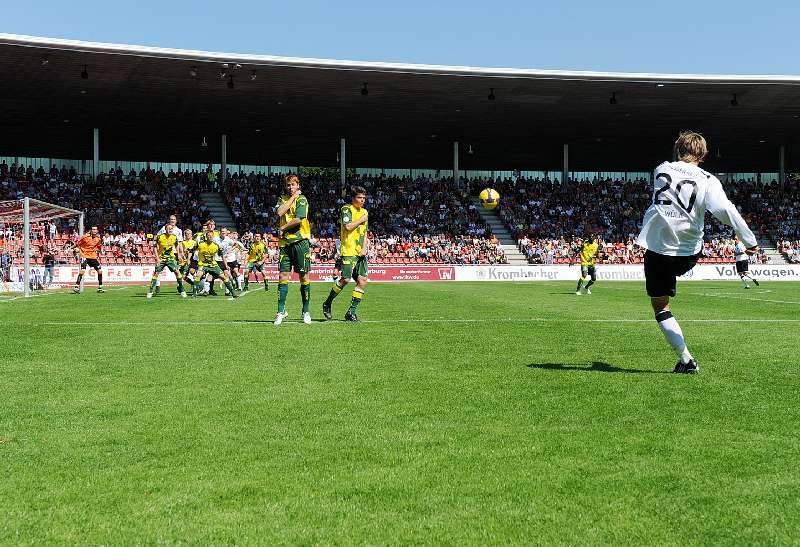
172 224
743 263
672 232
230 247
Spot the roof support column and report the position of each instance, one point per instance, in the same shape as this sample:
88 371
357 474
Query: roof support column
96 153
782 165
456 172
224 174
565 166
342 162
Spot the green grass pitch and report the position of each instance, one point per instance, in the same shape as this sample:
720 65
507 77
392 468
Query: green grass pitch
456 413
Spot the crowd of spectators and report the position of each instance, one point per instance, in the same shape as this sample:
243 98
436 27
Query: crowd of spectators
115 201
422 219
790 250
411 220
548 218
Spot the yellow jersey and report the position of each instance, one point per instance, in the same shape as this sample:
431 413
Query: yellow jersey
588 253
352 241
165 246
206 253
256 252
298 209
188 247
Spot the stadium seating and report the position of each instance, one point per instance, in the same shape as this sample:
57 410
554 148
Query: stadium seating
412 221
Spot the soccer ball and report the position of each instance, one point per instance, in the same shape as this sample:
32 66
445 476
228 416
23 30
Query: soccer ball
489 198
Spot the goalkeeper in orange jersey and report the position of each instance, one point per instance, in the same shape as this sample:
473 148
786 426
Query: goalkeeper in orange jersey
86 249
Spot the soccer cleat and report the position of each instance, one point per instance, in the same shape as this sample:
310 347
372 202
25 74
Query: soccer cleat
149 295
306 318
756 282
266 287
588 291
326 311
686 368
183 294
577 293
747 286
350 316
76 290
212 292
280 317
101 289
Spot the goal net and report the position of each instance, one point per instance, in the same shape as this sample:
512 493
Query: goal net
33 237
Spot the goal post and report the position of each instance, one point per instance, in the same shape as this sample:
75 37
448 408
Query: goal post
23 213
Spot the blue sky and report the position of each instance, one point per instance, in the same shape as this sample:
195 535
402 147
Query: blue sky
703 36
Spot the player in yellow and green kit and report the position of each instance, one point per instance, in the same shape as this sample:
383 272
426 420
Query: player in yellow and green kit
188 262
255 261
295 253
353 220
207 251
166 247
588 255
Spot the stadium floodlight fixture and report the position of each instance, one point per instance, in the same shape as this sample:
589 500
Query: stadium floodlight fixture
193 71
230 82
491 94
613 99
734 101
45 61
470 151
659 84
253 75
204 144
364 90
85 72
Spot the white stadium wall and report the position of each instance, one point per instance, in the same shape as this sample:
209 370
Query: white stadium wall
135 275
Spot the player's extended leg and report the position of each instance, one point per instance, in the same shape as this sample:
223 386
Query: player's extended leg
593 278
77 288
226 280
199 282
336 288
357 296
99 271
580 281
248 271
177 271
263 277
743 277
156 272
674 335
283 291
305 296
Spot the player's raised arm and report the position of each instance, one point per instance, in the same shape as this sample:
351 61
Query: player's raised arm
723 210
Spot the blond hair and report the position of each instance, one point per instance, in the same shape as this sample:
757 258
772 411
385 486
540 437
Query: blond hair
690 147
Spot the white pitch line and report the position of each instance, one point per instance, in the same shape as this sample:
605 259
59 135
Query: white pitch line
732 296
382 321
709 295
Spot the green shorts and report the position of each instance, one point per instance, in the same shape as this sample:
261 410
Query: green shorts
170 263
255 266
295 256
354 267
214 271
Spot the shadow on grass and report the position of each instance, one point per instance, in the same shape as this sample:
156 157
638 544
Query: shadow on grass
595 366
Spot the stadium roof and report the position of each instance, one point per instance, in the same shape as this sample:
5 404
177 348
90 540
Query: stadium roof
158 104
